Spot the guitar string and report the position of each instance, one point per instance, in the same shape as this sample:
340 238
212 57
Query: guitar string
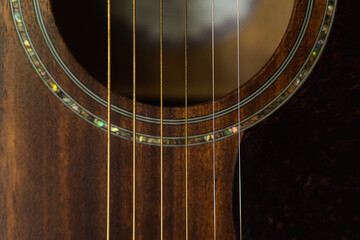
109 119
213 109
161 125
186 130
134 121
161 116
239 136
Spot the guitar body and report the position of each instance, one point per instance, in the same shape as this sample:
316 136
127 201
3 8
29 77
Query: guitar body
53 140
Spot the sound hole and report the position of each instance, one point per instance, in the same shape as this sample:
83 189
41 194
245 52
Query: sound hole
83 25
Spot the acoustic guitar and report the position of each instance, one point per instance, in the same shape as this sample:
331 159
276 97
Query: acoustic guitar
135 133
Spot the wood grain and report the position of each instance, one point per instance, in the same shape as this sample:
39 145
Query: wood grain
53 164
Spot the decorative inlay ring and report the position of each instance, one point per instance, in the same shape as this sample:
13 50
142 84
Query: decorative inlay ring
123 133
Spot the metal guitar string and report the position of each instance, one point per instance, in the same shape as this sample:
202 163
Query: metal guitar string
213 108
186 130
161 125
316 51
108 118
238 99
161 115
134 122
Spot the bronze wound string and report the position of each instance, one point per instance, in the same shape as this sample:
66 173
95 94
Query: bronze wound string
134 123
108 118
161 126
186 130
213 108
238 99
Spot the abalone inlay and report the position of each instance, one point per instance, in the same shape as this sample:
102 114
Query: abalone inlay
220 134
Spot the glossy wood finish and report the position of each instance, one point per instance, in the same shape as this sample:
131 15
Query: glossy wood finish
53 164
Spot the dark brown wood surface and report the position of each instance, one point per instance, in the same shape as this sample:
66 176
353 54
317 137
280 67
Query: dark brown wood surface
53 164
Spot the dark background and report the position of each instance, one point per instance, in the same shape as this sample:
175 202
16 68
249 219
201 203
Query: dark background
301 166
